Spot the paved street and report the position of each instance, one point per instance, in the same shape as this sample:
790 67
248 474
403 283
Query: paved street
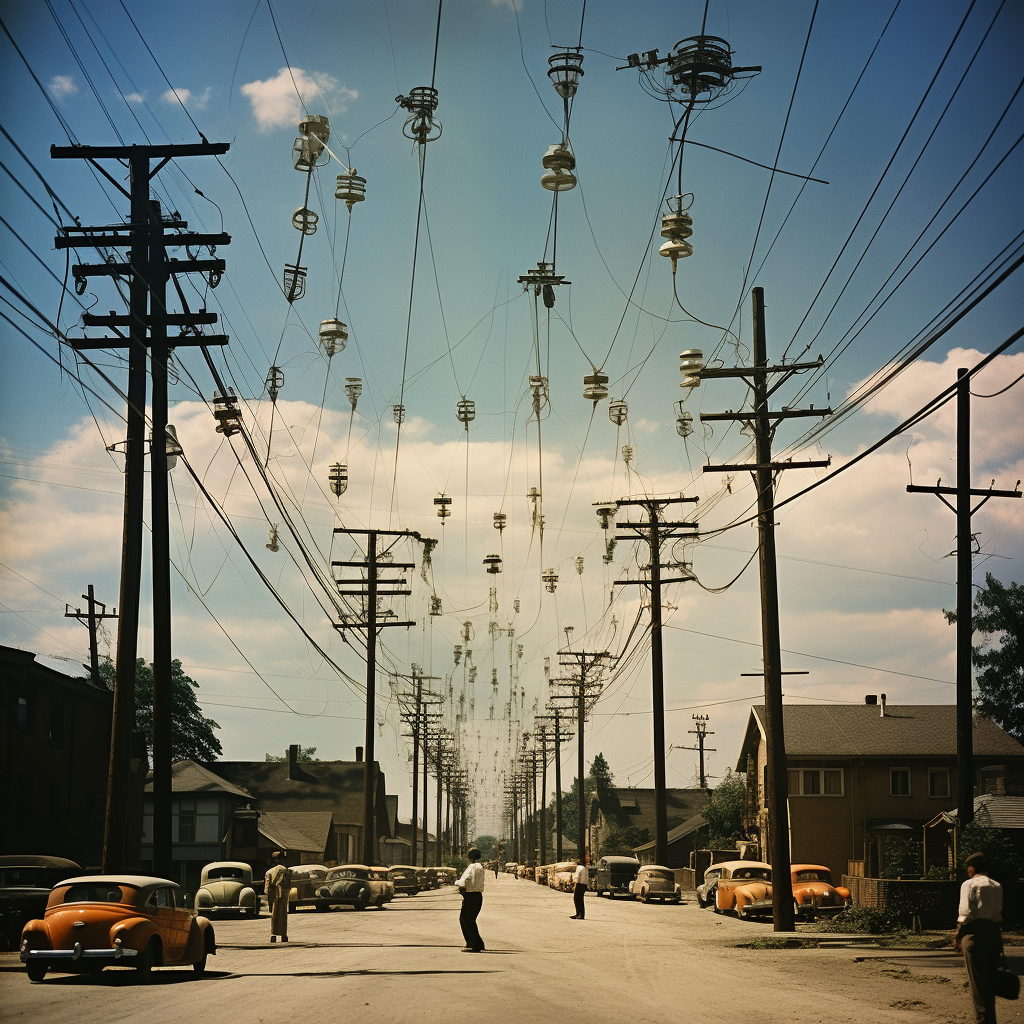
626 962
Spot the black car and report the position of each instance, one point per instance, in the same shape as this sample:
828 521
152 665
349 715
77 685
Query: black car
613 875
25 884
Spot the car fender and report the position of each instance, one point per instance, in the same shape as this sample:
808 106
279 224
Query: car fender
724 898
134 932
204 898
247 897
843 892
36 934
201 939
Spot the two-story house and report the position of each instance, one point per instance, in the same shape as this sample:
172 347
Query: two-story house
859 773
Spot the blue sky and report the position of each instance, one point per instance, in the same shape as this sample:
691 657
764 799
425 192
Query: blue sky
863 573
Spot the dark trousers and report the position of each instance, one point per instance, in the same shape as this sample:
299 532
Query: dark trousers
982 947
471 904
577 898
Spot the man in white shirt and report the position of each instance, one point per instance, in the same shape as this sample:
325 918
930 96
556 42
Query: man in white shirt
580 878
471 885
978 935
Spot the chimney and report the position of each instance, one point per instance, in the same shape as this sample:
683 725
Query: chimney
883 706
871 698
293 761
359 753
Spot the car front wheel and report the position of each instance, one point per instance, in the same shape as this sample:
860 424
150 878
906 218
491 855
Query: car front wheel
144 962
200 965
36 970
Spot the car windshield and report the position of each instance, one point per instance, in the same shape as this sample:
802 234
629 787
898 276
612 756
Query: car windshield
29 877
764 874
101 892
225 873
345 873
814 876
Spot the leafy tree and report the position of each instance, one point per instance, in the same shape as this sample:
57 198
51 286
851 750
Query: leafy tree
725 810
999 611
305 755
621 842
1006 863
192 735
486 845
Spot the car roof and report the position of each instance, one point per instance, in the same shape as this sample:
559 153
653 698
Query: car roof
654 867
361 867
134 881
619 860
308 867
21 860
732 865
810 867
227 864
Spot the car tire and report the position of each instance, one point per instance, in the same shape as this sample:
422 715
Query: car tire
254 911
362 901
322 906
200 965
643 895
36 970
145 961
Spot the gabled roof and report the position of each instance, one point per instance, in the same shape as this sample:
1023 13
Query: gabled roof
992 811
297 831
189 777
861 730
631 806
679 832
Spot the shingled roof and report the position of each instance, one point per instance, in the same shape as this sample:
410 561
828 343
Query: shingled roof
631 806
189 777
298 831
861 730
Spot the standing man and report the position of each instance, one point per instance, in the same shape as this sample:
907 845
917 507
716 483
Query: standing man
580 879
277 883
471 885
978 935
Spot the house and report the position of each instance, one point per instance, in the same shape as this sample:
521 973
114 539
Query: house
331 790
683 840
203 821
623 818
55 752
991 810
863 774
399 844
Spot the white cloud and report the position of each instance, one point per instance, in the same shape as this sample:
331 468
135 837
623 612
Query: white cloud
187 98
135 97
275 101
62 86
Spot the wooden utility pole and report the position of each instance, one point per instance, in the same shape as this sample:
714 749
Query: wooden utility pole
147 236
369 587
655 531
763 422
701 731
964 590
559 734
92 619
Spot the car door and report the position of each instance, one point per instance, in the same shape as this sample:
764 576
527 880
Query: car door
168 923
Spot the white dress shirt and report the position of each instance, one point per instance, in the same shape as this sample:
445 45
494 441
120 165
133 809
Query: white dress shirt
472 879
981 898
581 875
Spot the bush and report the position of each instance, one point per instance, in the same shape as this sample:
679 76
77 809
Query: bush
861 921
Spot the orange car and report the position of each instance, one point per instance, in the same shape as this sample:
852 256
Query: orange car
744 886
814 893
98 921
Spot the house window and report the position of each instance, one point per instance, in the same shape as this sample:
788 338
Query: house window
899 781
186 826
27 714
57 724
816 782
938 782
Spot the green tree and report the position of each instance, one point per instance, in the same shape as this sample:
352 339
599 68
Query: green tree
599 779
999 658
486 845
306 755
192 735
724 811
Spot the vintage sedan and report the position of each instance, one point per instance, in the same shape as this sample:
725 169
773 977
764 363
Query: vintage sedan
560 875
306 880
446 875
814 893
541 874
97 921
25 884
355 885
654 882
405 879
226 885
744 886
612 875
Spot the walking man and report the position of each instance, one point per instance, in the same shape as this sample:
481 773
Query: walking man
978 935
580 879
277 883
471 885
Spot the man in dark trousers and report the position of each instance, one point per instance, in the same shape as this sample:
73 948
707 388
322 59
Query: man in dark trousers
471 885
978 935
580 877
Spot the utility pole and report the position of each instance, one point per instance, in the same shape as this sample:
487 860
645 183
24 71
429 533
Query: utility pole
964 589
368 588
147 235
559 734
580 691
413 708
91 618
763 422
701 731
655 531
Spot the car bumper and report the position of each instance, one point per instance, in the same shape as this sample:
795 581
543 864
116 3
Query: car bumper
117 954
809 910
758 907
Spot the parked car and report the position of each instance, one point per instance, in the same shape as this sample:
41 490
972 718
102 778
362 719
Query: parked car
511 867
814 893
707 888
525 871
446 875
97 921
306 880
227 885
25 884
541 874
744 886
654 882
612 875
405 879
355 885
560 876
